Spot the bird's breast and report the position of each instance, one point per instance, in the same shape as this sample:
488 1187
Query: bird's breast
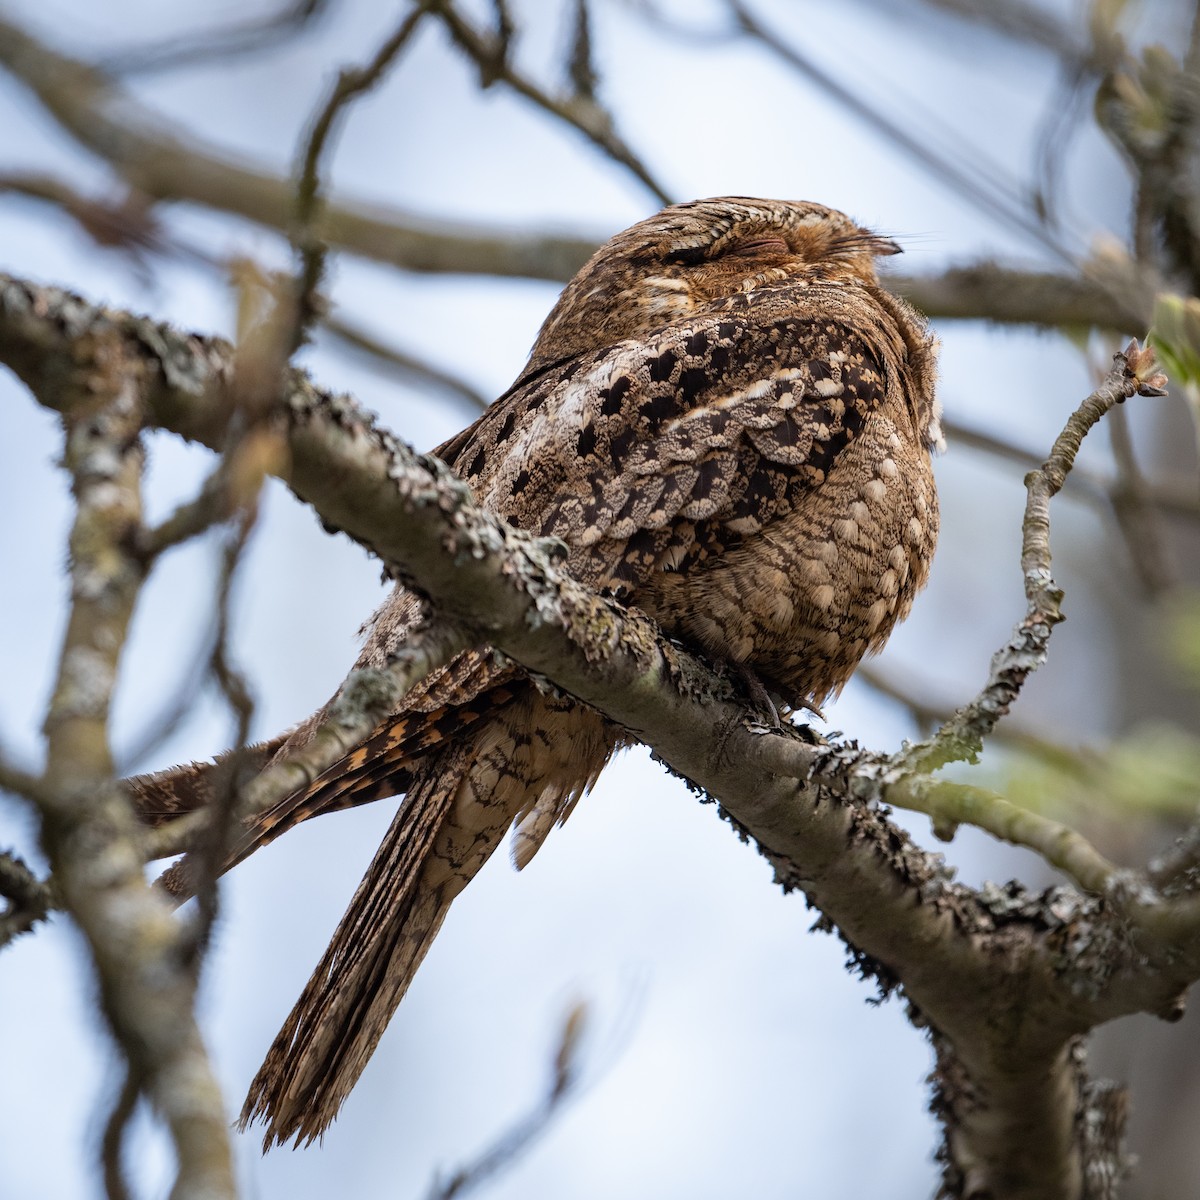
805 598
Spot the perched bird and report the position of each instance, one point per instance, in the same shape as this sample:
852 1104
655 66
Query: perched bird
729 423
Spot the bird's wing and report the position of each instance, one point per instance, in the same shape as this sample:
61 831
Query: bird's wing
654 453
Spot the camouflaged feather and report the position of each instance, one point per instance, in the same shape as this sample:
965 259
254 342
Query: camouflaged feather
729 423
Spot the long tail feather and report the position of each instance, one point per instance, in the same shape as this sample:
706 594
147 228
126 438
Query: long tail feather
164 795
371 959
537 751
379 767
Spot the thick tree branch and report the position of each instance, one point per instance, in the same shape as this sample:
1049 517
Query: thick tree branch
1008 295
965 959
164 164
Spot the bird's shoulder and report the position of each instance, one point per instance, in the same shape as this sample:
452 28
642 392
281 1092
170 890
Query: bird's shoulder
700 433
731 364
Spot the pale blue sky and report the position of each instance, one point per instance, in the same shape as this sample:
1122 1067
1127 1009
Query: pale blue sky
733 1055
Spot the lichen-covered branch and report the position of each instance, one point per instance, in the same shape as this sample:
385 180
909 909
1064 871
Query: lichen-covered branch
986 969
961 738
89 833
364 699
28 898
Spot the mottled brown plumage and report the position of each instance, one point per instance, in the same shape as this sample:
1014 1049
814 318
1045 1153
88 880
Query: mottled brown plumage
729 423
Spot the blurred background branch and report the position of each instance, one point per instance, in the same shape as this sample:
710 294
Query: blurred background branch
1052 153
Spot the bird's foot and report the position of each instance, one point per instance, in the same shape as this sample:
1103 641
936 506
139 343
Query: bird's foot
759 696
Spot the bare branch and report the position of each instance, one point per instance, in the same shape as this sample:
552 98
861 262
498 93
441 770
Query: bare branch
162 164
113 1142
983 187
352 84
30 899
581 69
517 1140
222 809
489 52
127 224
1023 22
245 37
408 366
1008 295
929 712
961 738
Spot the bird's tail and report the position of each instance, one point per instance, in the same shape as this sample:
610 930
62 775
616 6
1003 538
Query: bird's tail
440 708
164 795
537 755
333 1029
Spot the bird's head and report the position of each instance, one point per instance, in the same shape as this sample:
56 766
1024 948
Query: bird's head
684 257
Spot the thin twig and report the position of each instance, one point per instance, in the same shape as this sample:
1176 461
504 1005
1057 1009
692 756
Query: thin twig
1026 23
581 69
113 1142
515 1141
982 187
219 498
928 714
222 811
406 365
1172 497
961 738
213 504
1061 118
948 804
352 83
126 224
489 52
194 49
365 699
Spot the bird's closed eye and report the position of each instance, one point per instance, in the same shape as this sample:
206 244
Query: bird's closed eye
691 256
758 246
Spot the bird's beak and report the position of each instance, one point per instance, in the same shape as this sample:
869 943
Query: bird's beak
885 246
